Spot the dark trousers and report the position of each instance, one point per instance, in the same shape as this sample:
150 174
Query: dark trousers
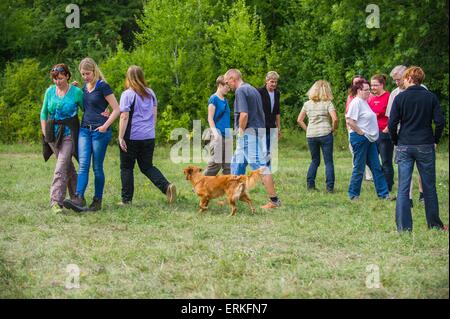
142 151
425 158
326 144
386 150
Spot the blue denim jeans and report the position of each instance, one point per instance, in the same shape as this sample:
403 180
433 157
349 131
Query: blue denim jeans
92 144
386 150
425 158
271 139
326 144
250 150
365 152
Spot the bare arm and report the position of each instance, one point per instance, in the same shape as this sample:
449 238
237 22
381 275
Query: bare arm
212 124
123 122
278 123
43 123
301 120
111 99
243 119
334 121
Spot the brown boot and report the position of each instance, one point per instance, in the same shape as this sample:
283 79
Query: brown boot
95 205
77 204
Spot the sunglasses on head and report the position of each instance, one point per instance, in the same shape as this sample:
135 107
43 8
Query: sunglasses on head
58 69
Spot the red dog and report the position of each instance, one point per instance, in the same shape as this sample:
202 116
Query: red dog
210 187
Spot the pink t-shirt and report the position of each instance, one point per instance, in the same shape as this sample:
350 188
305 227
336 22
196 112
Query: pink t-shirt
378 104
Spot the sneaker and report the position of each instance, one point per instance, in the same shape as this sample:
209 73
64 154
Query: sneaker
124 203
271 205
354 198
388 198
171 193
444 228
330 190
57 209
77 204
311 188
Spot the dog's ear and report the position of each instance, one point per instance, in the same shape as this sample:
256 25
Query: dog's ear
188 172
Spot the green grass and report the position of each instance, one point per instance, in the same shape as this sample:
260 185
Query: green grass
316 246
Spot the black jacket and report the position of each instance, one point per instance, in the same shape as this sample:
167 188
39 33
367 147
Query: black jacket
73 123
270 116
415 109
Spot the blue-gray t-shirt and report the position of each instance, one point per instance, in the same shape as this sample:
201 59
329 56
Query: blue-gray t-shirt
247 99
95 103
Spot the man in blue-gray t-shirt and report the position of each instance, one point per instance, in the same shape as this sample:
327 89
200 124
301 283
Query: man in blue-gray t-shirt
249 122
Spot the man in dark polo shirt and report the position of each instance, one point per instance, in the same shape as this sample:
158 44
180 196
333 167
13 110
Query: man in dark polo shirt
415 109
271 104
250 125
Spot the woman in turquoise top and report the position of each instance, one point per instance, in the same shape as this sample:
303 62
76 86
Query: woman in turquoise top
60 109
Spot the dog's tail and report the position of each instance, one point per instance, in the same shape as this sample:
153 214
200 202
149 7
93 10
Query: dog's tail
253 179
238 191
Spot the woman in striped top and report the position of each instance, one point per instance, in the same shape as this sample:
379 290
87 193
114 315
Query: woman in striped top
319 131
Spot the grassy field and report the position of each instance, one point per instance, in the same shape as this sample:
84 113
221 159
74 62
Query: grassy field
317 245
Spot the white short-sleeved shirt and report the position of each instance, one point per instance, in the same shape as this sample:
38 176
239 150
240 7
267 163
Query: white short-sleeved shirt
365 118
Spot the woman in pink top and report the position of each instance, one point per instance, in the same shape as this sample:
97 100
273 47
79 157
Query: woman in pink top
378 102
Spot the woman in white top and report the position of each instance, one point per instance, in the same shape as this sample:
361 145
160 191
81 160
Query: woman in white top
363 129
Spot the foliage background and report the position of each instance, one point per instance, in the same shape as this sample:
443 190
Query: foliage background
184 45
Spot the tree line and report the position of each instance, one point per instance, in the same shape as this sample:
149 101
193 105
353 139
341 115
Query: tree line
183 45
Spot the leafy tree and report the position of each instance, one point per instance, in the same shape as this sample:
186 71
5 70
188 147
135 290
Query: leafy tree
240 42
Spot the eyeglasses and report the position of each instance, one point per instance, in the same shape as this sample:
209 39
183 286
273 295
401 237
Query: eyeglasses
58 69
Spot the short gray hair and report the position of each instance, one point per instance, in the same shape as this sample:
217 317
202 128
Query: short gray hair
399 69
272 75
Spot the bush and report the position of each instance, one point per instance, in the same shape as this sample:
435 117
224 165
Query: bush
22 91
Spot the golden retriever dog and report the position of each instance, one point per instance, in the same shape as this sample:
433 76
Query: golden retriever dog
233 186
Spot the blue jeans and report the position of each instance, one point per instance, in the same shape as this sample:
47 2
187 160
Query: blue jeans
386 150
271 139
250 150
315 144
365 152
92 144
425 158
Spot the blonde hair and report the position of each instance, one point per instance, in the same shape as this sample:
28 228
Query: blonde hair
89 64
272 75
320 91
136 81
220 80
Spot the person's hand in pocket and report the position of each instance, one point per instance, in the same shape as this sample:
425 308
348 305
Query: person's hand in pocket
101 129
